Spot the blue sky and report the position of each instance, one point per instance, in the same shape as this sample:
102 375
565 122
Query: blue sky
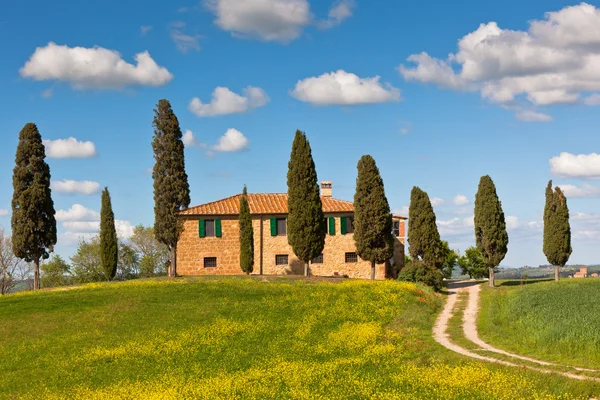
516 99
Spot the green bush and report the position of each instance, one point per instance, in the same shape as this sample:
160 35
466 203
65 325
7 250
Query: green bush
417 271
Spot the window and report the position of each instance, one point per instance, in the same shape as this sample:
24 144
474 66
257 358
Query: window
318 259
281 259
396 228
351 257
346 225
210 262
209 227
278 226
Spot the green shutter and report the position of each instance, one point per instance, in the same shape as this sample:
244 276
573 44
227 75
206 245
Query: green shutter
332 225
201 231
273 226
343 225
217 227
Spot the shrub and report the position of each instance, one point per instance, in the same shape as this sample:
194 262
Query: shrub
417 271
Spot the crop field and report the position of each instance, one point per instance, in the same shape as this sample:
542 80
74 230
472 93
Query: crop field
245 338
552 321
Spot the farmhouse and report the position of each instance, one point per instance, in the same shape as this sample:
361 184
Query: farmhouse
209 243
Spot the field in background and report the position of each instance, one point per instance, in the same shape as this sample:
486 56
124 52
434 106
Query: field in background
552 321
243 338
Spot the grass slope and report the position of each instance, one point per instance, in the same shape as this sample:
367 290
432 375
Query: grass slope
552 321
242 338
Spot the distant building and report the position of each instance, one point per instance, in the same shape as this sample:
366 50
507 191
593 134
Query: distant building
582 273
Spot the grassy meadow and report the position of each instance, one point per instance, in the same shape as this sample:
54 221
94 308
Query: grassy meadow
245 338
552 321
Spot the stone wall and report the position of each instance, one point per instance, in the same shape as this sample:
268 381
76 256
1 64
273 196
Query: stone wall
192 250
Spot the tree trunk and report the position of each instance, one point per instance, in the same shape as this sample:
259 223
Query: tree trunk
556 273
3 284
306 269
491 277
173 263
36 274
372 270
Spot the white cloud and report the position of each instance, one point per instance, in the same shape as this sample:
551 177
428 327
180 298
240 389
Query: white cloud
344 88
190 140
73 238
339 11
269 20
232 140
182 40
555 61
401 211
124 228
512 222
583 191
567 165
460 200
532 116
456 227
3 212
592 100
93 68
436 201
77 212
76 187
144 29
69 148
224 101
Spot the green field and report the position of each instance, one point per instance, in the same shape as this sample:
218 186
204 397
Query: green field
245 338
552 321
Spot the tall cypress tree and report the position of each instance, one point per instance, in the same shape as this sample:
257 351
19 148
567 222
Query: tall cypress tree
109 246
372 217
423 235
557 229
246 235
490 226
171 188
33 223
306 222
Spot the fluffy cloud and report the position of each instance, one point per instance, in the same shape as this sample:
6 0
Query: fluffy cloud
3 212
460 200
93 68
567 165
182 40
344 88
456 227
583 191
268 20
436 201
76 187
190 140
77 212
593 100
80 223
224 101
532 116
124 228
232 140
69 148
339 11
555 61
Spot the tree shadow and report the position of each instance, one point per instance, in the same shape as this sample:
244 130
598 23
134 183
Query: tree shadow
518 282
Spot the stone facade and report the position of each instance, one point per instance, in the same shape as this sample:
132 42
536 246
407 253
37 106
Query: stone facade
193 249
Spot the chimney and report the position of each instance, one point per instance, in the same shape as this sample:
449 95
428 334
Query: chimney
326 188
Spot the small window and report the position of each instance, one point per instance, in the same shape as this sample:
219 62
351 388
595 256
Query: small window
318 259
209 227
210 262
281 226
396 228
281 259
349 224
351 257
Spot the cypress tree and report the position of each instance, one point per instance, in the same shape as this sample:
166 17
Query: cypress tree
306 222
490 227
372 217
109 246
423 235
33 223
557 230
171 188
246 235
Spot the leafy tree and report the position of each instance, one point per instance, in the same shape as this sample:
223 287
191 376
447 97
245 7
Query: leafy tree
86 264
171 188
407 259
450 257
246 235
423 235
109 244
129 262
153 255
372 217
306 222
472 263
418 271
55 272
33 223
13 270
557 230
490 227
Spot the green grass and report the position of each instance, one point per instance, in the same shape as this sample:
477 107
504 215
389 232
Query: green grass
558 322
244 338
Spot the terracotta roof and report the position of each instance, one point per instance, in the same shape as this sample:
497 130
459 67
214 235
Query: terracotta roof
263 203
